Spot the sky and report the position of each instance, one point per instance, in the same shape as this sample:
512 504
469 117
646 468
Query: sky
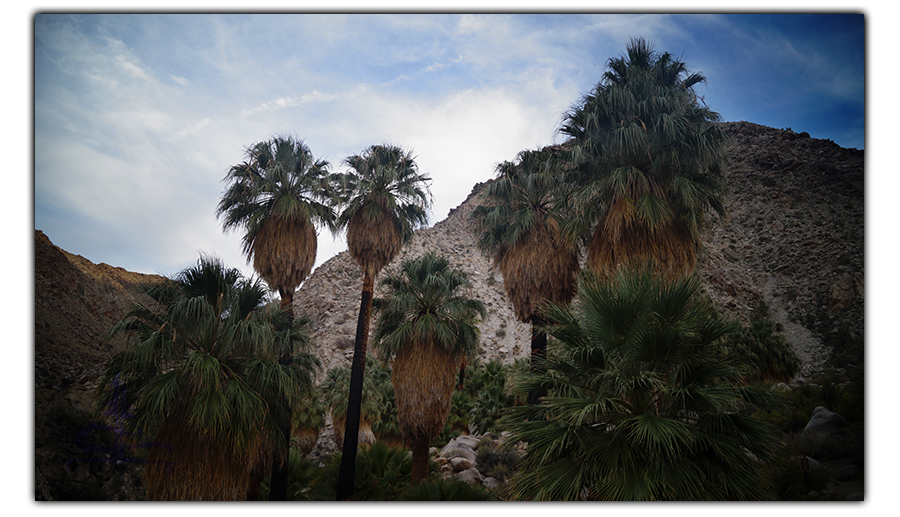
137 117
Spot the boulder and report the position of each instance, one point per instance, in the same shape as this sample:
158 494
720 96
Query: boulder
457 449
471 476
491 483
460 464
824 423
469 440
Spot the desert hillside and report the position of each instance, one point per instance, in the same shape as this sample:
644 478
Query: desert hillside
792 246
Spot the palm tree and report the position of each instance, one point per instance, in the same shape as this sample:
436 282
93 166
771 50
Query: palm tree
520 227
277 196
335 389
427 325
643 401
385 198
199 376
649 162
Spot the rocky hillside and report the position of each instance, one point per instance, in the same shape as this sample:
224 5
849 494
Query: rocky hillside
793 240
792 246
75 304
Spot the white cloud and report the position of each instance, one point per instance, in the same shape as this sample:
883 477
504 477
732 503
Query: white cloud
134 142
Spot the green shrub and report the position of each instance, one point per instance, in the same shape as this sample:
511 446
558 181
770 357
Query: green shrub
457 419
769 356
446 489
303 474
498 464
382 474
798 403
792 484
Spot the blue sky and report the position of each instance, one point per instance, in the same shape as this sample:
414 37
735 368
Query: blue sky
137 117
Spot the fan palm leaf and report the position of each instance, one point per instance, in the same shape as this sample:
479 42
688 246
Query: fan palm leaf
642 404
199 375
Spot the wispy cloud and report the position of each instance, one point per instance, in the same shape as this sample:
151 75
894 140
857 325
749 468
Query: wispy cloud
137 118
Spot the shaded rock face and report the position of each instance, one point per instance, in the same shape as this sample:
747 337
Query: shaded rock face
331 295
793 238
76 303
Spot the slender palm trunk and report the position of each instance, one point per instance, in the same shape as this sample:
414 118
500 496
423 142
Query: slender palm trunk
419 460
278 485
354 403
538 353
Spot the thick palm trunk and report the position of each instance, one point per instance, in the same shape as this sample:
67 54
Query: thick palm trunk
354 403
419 460
278 485
538 353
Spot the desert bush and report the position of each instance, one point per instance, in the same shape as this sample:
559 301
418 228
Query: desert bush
457 420
798 403
789 482
303 474
382 474
496 463
769 356
446 489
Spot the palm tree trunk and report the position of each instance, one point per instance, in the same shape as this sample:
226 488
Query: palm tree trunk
419 460
278 485
357 368
538 353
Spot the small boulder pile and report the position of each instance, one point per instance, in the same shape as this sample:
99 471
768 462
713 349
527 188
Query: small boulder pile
477 459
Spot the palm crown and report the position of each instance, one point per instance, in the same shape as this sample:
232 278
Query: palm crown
427 304
520 227
199 371
385 198
643 403
650 159
277 195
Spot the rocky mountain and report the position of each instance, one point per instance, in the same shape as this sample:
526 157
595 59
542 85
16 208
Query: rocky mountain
792 246
75 304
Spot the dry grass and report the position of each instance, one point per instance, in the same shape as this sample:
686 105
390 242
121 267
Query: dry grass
366 436
284 252
185 464
671 249
540 267
305 438
373 241
424 377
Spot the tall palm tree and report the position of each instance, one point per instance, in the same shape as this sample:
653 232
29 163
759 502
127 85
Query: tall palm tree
650 162
385 198
200 377
427 325
643 402
520 227
276 196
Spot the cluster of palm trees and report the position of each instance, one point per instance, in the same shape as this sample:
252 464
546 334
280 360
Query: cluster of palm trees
636 396
213 371
278 196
